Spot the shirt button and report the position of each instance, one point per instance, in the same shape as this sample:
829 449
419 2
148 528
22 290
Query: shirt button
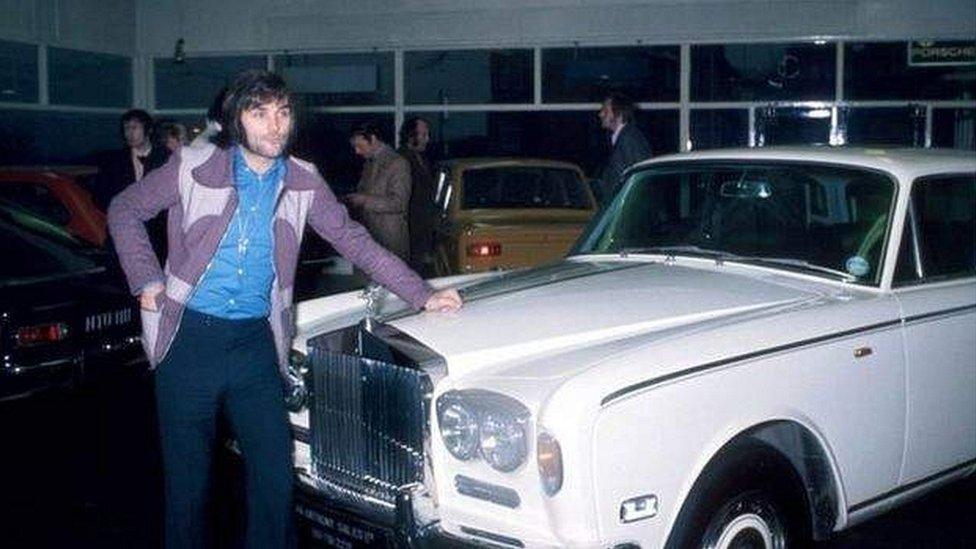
231 301
254 208
240 272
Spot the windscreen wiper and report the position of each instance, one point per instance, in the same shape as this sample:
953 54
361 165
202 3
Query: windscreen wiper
798 263
671 251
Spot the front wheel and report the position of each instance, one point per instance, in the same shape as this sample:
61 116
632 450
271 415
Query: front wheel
749 498
750 520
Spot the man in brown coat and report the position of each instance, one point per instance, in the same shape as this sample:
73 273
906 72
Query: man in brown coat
383 195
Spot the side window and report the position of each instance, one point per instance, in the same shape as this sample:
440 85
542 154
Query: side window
945 215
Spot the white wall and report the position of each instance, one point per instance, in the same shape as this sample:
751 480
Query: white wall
268 25
96 25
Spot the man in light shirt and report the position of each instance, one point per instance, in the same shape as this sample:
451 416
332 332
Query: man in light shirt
218 322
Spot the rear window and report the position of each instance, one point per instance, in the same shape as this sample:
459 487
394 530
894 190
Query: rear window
523 187
33 249
37 199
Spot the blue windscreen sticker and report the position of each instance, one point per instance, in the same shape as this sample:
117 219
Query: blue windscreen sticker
857 265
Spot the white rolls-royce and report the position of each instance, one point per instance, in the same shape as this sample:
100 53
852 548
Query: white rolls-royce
746 348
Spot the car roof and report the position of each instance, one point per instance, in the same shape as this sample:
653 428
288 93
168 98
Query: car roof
474 162
902 162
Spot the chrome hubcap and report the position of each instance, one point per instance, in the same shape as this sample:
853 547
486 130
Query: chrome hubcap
749 521
746 531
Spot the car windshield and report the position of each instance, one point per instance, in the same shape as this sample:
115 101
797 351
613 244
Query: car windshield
35 249
523 187
826 220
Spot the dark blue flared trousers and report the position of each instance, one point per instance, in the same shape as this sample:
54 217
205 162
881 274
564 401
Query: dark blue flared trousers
217 366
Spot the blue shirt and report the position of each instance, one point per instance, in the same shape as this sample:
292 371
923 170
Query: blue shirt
237 283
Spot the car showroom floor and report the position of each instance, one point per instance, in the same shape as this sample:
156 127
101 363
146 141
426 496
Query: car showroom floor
81 470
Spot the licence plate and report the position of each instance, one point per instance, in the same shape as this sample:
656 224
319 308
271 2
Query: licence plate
324 527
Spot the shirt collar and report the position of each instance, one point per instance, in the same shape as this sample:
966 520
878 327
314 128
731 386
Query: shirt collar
244 175
616 134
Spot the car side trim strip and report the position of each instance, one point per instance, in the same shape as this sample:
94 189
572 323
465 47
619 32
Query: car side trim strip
620 393
943 312
911 486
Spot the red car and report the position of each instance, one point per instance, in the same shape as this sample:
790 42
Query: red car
56 193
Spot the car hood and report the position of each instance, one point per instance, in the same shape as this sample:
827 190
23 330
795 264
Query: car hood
585 303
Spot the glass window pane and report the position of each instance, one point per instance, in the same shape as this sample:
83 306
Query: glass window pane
197 80
73 72
571 136
32 137
36 199
323 138
339 79
714 129
767 212
881 71
468 76
763 72
18 72
904 126
793 126
34 250
582 75
954 128
946 209
523 187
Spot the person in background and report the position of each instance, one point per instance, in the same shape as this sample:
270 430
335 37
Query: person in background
119 169
218 321
383 194
627 143
213 127
422 213
173 135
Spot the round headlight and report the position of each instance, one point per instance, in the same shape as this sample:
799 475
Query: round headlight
459 430
502 440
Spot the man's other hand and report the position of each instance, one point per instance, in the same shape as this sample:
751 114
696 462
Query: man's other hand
147 299
444 301
355 200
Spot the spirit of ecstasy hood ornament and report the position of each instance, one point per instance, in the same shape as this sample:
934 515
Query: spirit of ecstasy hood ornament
372 295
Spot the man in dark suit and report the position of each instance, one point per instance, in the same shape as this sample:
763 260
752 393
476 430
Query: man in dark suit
120 168
627 143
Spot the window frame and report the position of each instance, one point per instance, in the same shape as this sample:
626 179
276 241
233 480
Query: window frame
912 228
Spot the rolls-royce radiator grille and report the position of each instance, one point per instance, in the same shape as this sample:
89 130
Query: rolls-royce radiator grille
367 424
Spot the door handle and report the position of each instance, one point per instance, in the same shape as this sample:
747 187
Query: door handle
862 352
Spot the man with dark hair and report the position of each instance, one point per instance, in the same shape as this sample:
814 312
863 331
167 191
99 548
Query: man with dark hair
627 143
118 169
214 115
218 321
383 194
414 141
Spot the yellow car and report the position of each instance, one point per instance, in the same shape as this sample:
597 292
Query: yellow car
504 213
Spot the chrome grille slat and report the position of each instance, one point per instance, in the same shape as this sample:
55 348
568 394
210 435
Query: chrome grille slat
367 423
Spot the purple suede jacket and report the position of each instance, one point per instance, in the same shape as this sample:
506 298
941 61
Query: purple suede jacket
196 186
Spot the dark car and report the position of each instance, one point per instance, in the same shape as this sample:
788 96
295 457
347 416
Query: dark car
59 193
62 310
